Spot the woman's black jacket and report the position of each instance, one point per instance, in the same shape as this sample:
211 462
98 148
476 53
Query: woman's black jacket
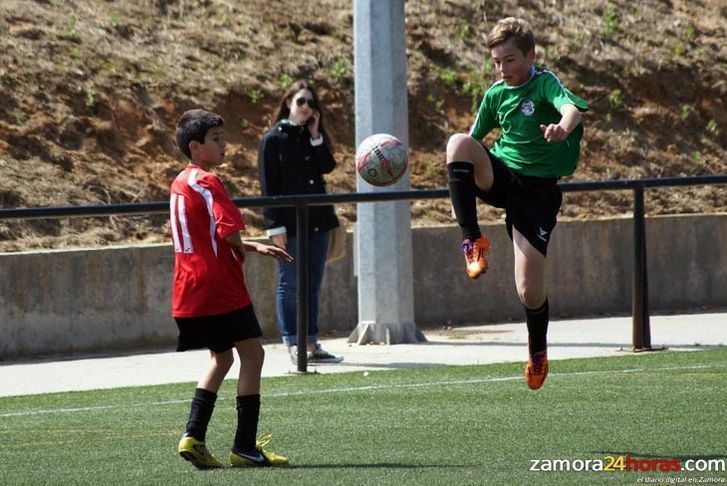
289 164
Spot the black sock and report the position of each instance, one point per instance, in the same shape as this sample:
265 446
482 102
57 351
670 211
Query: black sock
203 404
538 327
462 193
248 413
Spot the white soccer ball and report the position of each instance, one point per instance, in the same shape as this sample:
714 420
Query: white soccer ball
381 159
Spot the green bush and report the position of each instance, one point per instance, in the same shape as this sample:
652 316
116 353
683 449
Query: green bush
616 99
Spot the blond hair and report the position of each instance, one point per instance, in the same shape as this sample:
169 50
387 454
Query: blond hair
512 28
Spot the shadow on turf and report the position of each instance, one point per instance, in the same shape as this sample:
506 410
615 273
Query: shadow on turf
566 345
376 465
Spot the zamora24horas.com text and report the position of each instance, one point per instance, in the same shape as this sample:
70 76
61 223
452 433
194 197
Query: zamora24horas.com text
626 463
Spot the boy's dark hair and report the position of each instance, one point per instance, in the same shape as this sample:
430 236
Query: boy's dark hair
284 111
193 125
512 28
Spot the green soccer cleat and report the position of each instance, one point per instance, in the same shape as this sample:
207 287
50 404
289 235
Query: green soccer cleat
259 458
196 452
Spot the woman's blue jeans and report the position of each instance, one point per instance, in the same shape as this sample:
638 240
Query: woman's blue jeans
286 297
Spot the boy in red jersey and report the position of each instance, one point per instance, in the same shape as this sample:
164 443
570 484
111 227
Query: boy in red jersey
210 302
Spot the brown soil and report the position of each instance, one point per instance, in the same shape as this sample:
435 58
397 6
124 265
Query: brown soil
90 92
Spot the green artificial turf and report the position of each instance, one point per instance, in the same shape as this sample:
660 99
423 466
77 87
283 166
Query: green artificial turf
445 425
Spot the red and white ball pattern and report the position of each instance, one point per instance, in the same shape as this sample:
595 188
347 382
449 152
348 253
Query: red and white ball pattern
381 159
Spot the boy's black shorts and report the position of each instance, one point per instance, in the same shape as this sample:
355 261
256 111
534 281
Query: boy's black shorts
531 203
219 332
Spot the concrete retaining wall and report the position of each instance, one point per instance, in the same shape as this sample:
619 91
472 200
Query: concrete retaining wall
118 298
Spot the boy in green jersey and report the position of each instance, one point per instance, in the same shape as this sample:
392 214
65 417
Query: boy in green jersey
540 132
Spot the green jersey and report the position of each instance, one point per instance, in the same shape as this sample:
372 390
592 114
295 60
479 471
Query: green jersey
519 111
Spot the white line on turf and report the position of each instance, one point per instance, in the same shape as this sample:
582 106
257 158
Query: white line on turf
472 381
491 379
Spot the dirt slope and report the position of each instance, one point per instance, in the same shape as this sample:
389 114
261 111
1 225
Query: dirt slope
90 92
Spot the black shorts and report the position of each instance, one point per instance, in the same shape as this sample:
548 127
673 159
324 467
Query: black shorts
531 203
219 332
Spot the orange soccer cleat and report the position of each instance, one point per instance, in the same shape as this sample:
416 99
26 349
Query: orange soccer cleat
475 255
536 370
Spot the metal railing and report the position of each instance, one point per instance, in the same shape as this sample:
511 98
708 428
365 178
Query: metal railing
641 335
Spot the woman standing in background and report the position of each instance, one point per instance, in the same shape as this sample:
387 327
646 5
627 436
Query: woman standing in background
293 156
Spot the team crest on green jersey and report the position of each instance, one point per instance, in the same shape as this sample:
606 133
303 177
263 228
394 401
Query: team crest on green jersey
527 108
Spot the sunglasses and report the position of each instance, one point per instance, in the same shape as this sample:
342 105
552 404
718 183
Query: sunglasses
302 101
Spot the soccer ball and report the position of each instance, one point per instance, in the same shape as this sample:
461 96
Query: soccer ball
381 159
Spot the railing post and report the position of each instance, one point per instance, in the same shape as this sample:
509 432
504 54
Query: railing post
301 265
640 302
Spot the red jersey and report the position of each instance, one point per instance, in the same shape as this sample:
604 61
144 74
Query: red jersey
208 276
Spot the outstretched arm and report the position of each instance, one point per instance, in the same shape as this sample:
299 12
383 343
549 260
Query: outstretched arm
570 119
268 250
236 241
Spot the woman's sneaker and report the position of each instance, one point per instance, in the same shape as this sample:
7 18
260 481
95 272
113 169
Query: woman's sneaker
293 352
320 355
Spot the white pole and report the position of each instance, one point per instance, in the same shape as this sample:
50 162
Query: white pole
383 230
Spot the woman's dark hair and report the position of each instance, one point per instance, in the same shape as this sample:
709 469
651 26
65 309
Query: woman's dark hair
193 125
284 111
